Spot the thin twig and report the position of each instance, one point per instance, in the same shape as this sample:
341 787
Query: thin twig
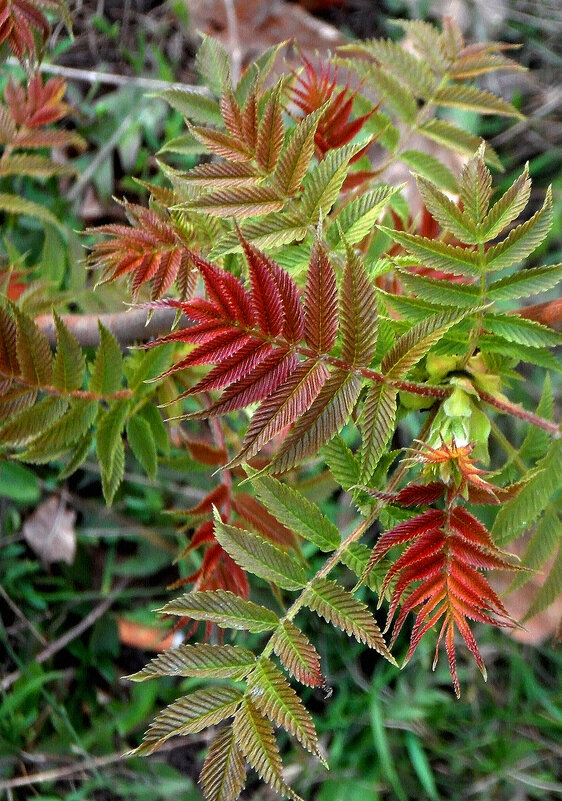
101 156
127 327
96 76
234 44
17 611
70 770
70 635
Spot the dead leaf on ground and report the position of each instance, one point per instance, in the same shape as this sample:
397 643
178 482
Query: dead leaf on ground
263 24
50 532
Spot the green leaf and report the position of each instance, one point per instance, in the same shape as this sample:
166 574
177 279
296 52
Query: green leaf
63 434
411 71
260 557
378 419
543 543
274 696
358 217
189 715
239 201
358 312
297 655
519 513
439 290
523 240
296 155
33 351
196 106
227 610
327 414
32 164
272 230
453 137
108 365
110 449
139 435
415 343
256 738
447 213
78 457
507 208
356 557
29 424
525 283
524 332
342 609
201 661
492 343
550 590
471 98
537 441
14 204
150 413
19 484
213 64
293 510
323 183
223 775
70 365
343 465
476 187
437 255
431 168
388 87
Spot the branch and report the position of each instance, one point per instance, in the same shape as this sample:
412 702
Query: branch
128 327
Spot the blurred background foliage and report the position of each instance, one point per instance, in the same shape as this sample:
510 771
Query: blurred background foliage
69 630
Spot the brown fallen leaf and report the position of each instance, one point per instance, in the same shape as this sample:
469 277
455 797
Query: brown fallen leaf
50 532
259 25
146 638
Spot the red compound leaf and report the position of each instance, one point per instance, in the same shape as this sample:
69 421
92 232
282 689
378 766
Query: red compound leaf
150 249
437 577
24 26
315 88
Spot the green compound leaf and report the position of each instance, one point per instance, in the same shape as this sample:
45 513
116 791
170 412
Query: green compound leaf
439 291
223 775
342 609
273 695
258 556
472 99
201 661
195 106
189 715
227 610
453 137
296 512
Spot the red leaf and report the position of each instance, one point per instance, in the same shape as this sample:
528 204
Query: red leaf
421 494
321 302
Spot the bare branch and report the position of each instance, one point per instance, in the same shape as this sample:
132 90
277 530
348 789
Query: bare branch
128 327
